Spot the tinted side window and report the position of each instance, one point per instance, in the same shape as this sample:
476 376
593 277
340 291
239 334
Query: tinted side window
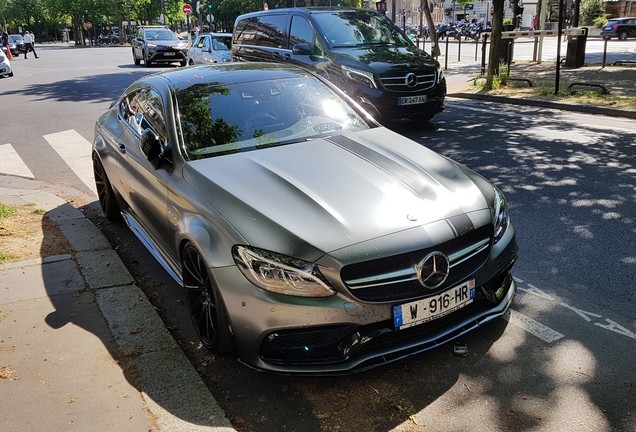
143 109
301 31
245 32
272 31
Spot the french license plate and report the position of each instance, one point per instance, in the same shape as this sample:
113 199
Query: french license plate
411 100
428 309
169 54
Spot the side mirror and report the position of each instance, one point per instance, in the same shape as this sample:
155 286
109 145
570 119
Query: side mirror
151 148
301 49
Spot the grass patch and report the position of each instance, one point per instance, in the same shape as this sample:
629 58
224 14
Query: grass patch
7 211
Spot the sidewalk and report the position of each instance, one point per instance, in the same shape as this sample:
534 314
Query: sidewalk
618 80
81 347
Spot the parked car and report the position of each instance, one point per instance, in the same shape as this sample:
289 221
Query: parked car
210 48
158 44
108 38
360 50
307 237
5 65
621 28
16 44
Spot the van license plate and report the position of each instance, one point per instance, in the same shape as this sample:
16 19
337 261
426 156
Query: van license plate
428 309
411 100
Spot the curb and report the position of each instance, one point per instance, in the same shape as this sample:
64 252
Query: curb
162 368
585 109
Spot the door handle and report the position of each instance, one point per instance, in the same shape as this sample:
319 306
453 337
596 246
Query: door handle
121 148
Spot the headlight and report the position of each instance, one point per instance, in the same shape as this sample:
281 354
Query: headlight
440 74
281 274
500 215
362 77
151 45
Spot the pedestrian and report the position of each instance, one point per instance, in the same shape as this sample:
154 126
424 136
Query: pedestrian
5 43
28 44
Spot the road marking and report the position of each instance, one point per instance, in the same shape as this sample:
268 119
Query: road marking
11 163
533 327
75 150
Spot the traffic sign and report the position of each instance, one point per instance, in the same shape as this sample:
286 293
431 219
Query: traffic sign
89 25
187 9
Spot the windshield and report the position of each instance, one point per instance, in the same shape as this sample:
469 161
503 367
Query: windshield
359 28
161 34
16 38
224 119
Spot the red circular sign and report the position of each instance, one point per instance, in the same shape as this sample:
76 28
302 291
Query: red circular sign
89 24
187 9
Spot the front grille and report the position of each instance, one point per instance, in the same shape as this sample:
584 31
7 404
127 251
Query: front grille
398 82
394 278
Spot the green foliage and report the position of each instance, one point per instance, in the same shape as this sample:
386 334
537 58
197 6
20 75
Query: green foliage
507 21
599 22
591 10
7 211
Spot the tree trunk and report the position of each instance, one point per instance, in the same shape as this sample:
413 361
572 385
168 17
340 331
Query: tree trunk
495 43
435 52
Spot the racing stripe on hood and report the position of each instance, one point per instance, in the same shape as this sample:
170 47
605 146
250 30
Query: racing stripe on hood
460 224
405 176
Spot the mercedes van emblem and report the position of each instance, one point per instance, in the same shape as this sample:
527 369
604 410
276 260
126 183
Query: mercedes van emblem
410 79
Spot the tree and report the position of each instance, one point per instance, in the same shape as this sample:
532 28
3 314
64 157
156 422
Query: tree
495 43
435 52
591 10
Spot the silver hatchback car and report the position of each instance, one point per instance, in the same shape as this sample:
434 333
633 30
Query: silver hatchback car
210 48
308 238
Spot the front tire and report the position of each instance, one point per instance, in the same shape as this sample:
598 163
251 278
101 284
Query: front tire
622 35
105 193
206 308
135 59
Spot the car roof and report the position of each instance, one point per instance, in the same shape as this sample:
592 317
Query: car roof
215 34
307 10
226 74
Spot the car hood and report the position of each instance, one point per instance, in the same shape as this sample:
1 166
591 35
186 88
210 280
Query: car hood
385 57
334 192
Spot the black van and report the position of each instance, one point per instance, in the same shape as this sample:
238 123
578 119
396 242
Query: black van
360 50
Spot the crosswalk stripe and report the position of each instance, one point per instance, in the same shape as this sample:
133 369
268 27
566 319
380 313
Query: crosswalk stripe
75 150
11 163
533 327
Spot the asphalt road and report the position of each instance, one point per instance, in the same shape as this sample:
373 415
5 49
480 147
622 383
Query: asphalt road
564 359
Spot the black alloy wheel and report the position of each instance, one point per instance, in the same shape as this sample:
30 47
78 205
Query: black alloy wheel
205 305
105 193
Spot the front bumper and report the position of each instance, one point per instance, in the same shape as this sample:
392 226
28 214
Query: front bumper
340 334
167 56
385 103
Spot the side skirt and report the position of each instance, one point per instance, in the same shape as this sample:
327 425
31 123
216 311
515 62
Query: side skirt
145 240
